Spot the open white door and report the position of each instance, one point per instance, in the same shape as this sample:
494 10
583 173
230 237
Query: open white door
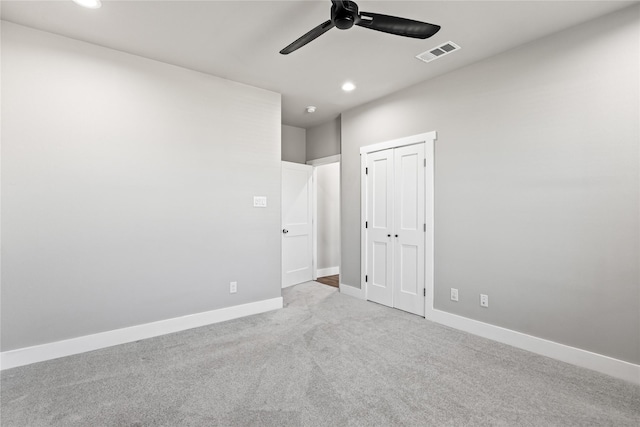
297 222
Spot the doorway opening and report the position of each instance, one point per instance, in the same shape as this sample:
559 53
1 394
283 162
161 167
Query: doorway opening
326 207
311 222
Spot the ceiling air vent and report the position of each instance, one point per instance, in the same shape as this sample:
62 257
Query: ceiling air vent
438 52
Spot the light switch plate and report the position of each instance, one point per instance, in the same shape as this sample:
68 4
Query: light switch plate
259 201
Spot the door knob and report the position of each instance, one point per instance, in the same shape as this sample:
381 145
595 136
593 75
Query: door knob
396 235
388 235
285 231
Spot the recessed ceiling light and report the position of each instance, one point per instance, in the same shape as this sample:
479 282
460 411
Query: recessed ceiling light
90 4
348 87
311 109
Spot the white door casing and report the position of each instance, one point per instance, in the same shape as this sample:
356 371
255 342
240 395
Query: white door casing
297 223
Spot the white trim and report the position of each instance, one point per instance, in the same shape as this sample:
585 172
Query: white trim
429 219
363 218
351 291
409 140
329 271
583 358
324 160
54 350
314 220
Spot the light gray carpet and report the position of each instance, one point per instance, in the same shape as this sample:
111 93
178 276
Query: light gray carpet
324 360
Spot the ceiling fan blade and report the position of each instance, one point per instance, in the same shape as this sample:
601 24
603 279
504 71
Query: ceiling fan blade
310 36
395 25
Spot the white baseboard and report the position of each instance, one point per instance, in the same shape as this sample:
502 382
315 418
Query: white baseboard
329 271
351 291
54 350
583 358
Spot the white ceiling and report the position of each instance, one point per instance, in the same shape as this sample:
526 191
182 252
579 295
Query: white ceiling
241 40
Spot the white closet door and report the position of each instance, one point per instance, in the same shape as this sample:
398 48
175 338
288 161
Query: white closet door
409 199
380 227
395 233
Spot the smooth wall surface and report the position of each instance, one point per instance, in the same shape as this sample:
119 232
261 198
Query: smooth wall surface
328 199
294 144
127 190
536 184
323 140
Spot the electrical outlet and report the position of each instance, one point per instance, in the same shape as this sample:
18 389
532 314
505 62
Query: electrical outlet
454 294
484 300
233 287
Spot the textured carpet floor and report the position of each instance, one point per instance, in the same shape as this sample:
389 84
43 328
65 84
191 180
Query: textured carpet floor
324 360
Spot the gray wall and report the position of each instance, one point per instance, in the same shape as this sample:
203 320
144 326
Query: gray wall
323 140
293 144
328 188
536 184
127 190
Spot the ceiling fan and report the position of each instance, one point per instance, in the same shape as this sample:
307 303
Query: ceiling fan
345 14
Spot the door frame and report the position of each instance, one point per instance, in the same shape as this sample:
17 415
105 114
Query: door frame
314 186
428 139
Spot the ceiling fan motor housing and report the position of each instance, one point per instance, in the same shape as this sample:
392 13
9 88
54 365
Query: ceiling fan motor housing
344 17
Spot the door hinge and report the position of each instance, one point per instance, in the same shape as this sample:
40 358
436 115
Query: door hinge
425 227
424 292
366 278
366 171
366 224
425 163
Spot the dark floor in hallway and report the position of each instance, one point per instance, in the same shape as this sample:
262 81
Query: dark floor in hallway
330 280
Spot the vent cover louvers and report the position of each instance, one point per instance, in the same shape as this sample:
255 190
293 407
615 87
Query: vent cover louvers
438 52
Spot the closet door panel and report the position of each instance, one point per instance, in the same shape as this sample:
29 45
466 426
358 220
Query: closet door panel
409 222
380 190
